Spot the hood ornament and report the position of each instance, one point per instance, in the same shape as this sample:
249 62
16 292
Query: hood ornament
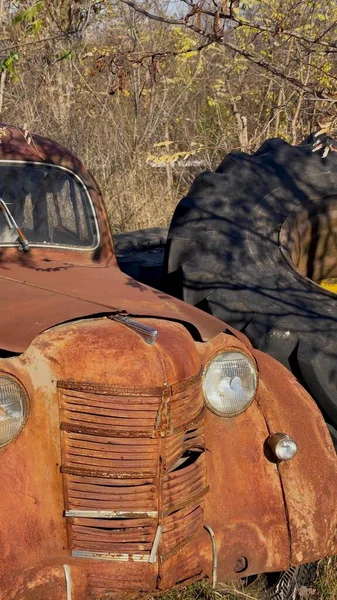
149 334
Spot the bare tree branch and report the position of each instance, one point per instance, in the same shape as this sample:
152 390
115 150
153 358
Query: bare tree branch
257 60
230 16
218 36
19 43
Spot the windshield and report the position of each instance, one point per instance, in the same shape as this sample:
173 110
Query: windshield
49 204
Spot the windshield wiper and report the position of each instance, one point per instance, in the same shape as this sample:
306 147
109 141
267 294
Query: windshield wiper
12 224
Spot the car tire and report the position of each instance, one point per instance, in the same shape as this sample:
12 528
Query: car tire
294 584
230 251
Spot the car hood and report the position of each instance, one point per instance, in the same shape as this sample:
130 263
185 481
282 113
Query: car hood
38 295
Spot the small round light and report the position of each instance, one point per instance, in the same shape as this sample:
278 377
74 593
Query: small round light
283 446
12 409
230 382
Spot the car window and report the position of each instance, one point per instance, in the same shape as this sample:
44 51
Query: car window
49 204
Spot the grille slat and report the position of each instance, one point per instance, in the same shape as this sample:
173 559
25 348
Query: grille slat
109 454
115 402
78 417
111 548
118 524
109 447
87 504
96 491
104 463
123 535
131 410
98 466
126 484
80 494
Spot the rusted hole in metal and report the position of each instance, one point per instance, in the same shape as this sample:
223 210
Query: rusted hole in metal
241 564
188 458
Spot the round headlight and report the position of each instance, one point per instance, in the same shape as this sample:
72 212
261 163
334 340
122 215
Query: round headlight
230 382
12 409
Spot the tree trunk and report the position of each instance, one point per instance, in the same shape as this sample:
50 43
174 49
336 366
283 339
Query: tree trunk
2 89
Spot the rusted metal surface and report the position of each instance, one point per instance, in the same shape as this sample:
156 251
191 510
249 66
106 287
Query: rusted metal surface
309 481
48 286
103 493
291 506
114 472
245 506
43 298
119 468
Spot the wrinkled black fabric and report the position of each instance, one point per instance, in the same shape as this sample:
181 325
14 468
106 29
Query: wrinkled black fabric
223 255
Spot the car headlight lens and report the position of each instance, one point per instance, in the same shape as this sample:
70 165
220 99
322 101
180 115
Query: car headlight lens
230 382
283 446
12 409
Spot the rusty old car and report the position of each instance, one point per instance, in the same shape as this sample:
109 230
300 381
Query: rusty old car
143 443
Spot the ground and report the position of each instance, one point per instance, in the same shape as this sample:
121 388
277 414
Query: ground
325 588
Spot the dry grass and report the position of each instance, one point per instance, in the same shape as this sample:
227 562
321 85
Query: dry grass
324 588
326 584
235 590
138 198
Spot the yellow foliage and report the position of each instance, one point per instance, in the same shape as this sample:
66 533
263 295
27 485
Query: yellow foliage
172 158
188 55
161 144
145 38
210 101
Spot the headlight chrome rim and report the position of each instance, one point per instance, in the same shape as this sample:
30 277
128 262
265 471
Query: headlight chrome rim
253 364
24 405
